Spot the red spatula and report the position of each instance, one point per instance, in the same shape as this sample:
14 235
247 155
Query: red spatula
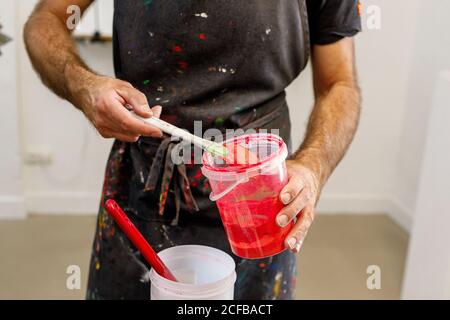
138 240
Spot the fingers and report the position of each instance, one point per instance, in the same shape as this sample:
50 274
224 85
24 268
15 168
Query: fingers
299 195
157 111
125 124
110 114
137 100
296 237
126 138
108 134
289 212
291 190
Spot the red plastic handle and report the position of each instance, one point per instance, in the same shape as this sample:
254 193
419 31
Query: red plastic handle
138 240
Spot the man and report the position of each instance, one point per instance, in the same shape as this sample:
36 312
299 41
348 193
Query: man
226 63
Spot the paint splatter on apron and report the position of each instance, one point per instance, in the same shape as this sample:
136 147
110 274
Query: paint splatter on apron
227 64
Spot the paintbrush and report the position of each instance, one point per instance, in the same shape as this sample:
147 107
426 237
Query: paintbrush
216 149
232 154
138 240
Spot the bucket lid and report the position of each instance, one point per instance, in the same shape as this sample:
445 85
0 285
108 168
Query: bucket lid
242 174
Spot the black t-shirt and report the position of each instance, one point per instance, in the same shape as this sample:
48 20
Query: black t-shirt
211 59
332 20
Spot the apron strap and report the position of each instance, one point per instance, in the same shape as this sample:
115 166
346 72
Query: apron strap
164 167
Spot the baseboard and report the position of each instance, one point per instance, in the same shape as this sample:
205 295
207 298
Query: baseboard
367 204
352 203
87 204
12 208
63 203
400 213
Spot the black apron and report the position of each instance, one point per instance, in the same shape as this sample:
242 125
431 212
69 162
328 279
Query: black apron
225 63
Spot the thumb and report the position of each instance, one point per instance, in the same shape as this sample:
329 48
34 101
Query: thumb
143 110
157 111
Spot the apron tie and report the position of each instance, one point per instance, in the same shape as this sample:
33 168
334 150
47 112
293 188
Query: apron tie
163 166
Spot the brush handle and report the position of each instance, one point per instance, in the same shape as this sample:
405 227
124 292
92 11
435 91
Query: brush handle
138 240
175 131
207 145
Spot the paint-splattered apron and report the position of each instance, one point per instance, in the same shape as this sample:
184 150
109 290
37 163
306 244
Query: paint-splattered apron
225 63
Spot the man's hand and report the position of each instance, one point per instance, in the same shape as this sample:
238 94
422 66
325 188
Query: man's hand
106 107
103 100
299 197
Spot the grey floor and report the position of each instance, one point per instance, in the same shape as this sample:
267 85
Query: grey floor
35 253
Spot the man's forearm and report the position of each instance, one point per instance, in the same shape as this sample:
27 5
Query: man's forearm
331 129
102 99
54 56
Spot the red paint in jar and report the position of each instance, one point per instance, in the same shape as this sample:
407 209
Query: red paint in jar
247 195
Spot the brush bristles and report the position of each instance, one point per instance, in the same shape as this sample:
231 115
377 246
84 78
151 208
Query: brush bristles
217 150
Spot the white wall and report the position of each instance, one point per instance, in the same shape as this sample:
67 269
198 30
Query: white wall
427 273
423 182
366 181
11 195
431 54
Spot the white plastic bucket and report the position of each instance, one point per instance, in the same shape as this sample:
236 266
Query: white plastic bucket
204 273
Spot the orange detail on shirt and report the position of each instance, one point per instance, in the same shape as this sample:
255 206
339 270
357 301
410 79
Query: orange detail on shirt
359 8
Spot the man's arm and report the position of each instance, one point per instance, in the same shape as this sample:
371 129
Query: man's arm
335 116
51 49
54 56
331 129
